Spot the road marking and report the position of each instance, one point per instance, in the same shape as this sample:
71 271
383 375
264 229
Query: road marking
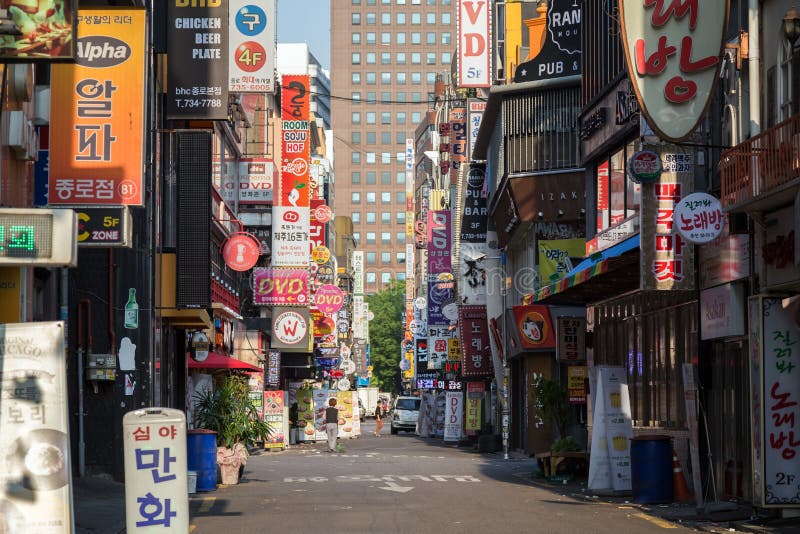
206 505
391 486
384 478
656 521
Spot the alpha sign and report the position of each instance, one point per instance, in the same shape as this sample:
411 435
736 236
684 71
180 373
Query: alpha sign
673 52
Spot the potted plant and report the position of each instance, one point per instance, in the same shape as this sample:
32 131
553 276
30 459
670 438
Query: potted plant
230 412
550 403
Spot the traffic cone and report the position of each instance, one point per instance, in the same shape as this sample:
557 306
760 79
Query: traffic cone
680 491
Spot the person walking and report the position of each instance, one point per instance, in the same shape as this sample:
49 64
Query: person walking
378 420
332 424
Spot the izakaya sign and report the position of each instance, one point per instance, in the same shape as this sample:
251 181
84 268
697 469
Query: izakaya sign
673 50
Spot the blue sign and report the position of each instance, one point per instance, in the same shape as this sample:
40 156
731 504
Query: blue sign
251 20
41 174
363 381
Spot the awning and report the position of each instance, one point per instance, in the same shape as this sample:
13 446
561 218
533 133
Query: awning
196 318
220 361
606 273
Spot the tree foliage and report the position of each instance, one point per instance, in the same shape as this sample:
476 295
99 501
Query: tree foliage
385 335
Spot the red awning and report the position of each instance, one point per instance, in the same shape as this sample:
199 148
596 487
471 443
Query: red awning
220 361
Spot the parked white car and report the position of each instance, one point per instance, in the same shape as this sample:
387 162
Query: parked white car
405 412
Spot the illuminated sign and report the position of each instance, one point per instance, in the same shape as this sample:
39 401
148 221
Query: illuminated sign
45 237
104 227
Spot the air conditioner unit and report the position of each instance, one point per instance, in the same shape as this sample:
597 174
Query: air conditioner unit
41 105
20 134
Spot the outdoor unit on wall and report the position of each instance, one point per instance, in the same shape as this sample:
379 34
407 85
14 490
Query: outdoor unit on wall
20 134
191 155
41 105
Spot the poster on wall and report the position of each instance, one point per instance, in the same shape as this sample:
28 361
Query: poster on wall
97 116
197 40
40 32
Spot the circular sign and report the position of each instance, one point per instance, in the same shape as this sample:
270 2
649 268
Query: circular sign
250 20
200 343
450 309
348 367
250 56
346 352
241 251
343 384
324 326
290 327
699 218
343 325
644 167
325 273
370 316
329 299
323 213
416 327
420 303
405 365
407 345
321 255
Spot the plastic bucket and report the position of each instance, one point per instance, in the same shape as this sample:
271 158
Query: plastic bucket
651 469
201 455
192 480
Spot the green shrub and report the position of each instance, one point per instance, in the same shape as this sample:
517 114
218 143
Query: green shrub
229 411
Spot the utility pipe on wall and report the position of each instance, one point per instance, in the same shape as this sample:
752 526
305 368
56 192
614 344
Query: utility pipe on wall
754 66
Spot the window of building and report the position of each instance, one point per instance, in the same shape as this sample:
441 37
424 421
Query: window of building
355 19
371 58
400 197
400 157
401 276
386 18
386 257
446 38
370 158
371 78
401 177
430 78
416 97
401 257
371 239
386 158
386 238
355 138
416 38
416 117
446 18
386 138
386 58
386 278
371 197
401 78
386 218
430 2
355 178
400 117
400 38
430 58
371 277
371 116
371 256
356 2
400 237
370 2
401 19
446 58
371 19
357 237
370 37
355 38
355 197
618 198
416 18
355 96
371 138
386 38
370 177
356 217
370 97
430 18
355 58
401 58
400 217
370 217
416 78
401 97
386 97
416 58
386 197
400 138
386 77
355 117
386 117
386 178
355 157
355 78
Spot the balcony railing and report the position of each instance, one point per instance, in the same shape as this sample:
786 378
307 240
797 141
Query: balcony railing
762 164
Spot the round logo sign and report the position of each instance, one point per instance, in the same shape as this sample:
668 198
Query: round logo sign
346 352
323 327
250 20
405 365
324 273
343 384
348 367
644 167
699 218
343 325
534 328
321 255
290 327
420 303
323 213
241 251
329 299
250 56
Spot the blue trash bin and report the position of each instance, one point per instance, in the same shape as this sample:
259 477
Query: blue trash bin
201 452
651 469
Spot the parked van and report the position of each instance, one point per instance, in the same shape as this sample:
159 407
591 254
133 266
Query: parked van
405 412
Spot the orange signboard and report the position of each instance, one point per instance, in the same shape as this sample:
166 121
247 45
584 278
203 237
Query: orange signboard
535 327
97 112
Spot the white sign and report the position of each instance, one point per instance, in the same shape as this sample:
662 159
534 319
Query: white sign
453 415
290 327
343 384
290 241
348 367
358 272
722 311
256 177
437 346
699 218
156 485
36 477
251 62
673 60
420 303
612 430
474 44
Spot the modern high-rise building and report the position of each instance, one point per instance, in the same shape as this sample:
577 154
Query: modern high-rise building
385 56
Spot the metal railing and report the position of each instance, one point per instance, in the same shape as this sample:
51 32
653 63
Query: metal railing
761 164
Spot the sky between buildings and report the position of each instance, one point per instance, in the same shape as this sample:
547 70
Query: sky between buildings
307 21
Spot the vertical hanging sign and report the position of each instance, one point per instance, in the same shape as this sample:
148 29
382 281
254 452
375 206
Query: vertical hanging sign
97 115
293 187
252 46
197 39
474 44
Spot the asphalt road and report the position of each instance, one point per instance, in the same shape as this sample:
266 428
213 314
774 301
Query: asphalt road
403 484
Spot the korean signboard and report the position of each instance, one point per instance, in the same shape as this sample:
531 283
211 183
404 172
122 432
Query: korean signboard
472 422
476 356
474 117
273 369
32 31
673 59
98 114
776 402
438 337
439 240
577 375
558 256
571 339
156 485
554 41
474 44
453 415
458 138
421 352
252 46
439 293
358 272
474 211
256 181
274 286
35 492
290 236
317 235
699 218
293 188
534 327
667 257
291 329
197 39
